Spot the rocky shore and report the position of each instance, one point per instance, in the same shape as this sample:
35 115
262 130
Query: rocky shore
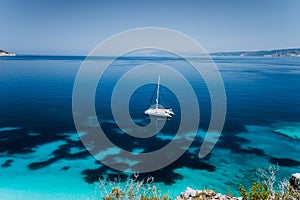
5 53
206 194
295 181
191 194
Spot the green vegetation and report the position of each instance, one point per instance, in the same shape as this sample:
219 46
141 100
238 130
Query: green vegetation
257 192
267 190
133 190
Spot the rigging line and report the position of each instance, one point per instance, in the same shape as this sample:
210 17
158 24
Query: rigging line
152 97
157 93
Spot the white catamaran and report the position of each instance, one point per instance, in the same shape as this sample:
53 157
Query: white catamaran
158 110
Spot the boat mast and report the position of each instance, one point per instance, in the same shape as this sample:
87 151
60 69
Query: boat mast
157 93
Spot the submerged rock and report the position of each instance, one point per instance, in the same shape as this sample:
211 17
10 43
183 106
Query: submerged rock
191 194
7 163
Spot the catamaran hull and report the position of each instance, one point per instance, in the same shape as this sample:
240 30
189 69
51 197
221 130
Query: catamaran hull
158 112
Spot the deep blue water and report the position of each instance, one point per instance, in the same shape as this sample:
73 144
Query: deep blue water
262 94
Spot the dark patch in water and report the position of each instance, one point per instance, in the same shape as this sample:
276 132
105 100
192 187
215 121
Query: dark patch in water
284 162
65 168
20 142
92 175
229 128
97 162
38 165
165 175
130 143
7 163
191 161
255 151
63 153
234 144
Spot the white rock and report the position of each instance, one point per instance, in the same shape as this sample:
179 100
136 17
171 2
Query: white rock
295 180
7 54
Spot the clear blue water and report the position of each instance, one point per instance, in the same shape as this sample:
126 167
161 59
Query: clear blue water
41 155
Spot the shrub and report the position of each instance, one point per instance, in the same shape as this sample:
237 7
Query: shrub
133 189
267 189
257 192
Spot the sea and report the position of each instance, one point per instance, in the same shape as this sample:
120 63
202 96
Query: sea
42 155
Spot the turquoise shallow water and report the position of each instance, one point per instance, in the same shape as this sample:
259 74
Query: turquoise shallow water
41 155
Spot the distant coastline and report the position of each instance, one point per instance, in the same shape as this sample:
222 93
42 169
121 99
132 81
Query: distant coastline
5 53
295 52
271 53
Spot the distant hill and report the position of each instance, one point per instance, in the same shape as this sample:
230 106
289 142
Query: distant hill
5 53
271 53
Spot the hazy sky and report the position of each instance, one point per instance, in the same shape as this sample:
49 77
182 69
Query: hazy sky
70 27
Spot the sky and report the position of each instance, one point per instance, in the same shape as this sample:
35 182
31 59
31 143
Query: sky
75 27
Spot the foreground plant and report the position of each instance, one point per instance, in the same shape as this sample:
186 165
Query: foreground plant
132 190
257 192
267 189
